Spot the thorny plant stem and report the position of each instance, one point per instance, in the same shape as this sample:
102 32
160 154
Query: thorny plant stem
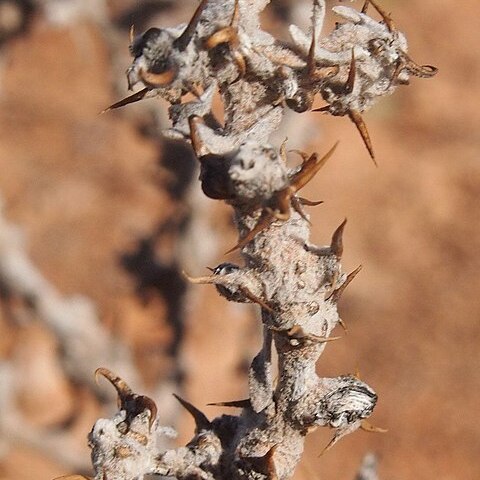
296 284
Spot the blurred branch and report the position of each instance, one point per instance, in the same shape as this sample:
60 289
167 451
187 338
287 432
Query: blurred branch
14 430
84 341
368 469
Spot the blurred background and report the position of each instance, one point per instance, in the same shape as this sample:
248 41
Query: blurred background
100 215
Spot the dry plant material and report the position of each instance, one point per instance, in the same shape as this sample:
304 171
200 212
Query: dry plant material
296 284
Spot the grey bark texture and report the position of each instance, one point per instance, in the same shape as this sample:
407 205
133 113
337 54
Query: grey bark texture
296 284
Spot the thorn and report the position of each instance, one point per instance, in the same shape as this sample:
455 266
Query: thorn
422 71
368 427
157 79
343 325
217 280
313 72
357 119
333 283
132 34
125 101
336 294
234 404
122 388
129 401
325 109
236 14
198 144
330 444
336 246
318 339
309 203
340 433
253 298
350 83
264 464
264 222
185 38
207 280
298 333
385 16
309 169
201 421
298 207
146 403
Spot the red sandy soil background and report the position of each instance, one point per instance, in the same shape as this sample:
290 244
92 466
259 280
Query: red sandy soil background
86 189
